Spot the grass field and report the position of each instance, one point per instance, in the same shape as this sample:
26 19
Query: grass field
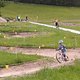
50 40
22 27
63 73
15 59
72 27
44 12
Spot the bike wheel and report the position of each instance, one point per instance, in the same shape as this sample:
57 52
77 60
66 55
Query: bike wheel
59 57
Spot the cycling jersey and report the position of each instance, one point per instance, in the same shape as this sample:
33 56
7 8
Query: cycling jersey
62 48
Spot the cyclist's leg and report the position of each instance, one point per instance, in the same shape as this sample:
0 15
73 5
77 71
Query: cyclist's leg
64 56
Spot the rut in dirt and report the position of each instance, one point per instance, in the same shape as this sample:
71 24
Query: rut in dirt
30 68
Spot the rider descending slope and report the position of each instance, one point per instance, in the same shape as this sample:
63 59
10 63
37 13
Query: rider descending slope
62 48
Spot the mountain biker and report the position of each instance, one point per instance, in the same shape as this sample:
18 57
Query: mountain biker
62 48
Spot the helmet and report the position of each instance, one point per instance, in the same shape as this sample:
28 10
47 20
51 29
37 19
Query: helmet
60 41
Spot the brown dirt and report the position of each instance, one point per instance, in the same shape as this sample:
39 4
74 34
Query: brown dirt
29 68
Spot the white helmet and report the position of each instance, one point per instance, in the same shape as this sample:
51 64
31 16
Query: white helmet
60 41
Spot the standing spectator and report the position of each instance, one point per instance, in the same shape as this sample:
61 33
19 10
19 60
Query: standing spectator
56 23
26 18
18 18
7 19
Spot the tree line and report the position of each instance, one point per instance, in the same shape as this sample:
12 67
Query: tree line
51 2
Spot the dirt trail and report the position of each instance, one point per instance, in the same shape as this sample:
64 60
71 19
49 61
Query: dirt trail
29 68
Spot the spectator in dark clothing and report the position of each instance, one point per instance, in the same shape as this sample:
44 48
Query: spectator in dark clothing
26 18
56 23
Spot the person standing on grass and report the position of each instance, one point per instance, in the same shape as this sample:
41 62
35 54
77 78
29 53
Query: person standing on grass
56 23
18 18
26 18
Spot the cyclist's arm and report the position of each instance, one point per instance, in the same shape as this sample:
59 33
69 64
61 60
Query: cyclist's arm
59 48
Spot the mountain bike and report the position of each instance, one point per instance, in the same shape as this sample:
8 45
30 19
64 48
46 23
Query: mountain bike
61 58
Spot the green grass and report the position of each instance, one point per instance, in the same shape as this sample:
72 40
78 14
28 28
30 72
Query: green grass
22 27
44 12
63 73
14 59
27 27
72 27
49 40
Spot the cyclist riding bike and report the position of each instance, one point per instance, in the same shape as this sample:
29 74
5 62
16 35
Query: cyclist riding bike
62 48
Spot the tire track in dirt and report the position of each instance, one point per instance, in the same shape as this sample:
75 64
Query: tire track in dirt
29 68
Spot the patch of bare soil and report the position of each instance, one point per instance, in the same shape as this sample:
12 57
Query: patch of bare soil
29 68
25 68
26 34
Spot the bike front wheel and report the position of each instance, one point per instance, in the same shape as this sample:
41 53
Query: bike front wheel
59 57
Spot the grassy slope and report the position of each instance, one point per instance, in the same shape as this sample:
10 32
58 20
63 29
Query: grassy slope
64 73
22 27
9 58
49 40
45 13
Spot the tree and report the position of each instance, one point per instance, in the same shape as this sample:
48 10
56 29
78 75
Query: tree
2 4
51 2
